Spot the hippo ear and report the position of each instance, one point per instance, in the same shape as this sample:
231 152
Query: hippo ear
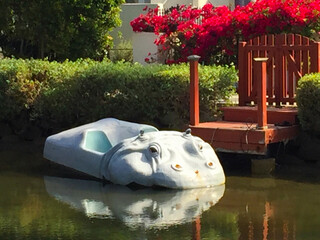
142 136
188 132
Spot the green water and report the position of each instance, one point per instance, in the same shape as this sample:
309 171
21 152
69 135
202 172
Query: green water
40 201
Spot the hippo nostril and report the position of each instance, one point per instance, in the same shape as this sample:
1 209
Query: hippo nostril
177 167
210 164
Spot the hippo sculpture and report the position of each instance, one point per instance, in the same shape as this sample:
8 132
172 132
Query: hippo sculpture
128 153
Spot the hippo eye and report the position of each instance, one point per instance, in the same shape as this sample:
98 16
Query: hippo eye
210 165
154 150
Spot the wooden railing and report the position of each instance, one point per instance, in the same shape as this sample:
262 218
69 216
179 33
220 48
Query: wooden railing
289 58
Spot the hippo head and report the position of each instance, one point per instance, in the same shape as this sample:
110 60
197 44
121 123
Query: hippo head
165 158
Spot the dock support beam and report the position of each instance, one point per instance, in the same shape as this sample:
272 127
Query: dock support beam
261 80
194 90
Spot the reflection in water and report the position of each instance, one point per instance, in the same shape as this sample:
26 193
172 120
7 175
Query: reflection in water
146 208
271 226
251 207
268 208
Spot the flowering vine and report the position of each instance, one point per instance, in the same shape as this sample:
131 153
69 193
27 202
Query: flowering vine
214 32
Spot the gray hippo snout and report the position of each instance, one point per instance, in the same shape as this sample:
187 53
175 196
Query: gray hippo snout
166 158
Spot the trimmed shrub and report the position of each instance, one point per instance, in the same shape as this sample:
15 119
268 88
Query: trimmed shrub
55 95
308 99
122 52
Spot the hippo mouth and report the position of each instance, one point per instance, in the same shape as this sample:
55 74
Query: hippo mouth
195 180
137 186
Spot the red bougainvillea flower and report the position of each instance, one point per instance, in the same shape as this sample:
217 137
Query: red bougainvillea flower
215 31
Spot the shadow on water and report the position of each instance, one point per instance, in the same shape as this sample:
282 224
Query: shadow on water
289 166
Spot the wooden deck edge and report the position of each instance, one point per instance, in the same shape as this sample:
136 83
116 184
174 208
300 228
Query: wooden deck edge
242 140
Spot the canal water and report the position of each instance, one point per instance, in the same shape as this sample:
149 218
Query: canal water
42 201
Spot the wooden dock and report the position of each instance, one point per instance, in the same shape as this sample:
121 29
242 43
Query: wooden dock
269 69
243 135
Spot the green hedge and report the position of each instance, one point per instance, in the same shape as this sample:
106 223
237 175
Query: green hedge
308 101
54 95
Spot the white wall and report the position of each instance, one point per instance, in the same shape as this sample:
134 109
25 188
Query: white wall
128 13
196 3
172 3
143 44
216 3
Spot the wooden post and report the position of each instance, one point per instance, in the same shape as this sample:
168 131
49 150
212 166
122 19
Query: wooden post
194 90
261 74
280 63
266 218
243 75
196 229
315 57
